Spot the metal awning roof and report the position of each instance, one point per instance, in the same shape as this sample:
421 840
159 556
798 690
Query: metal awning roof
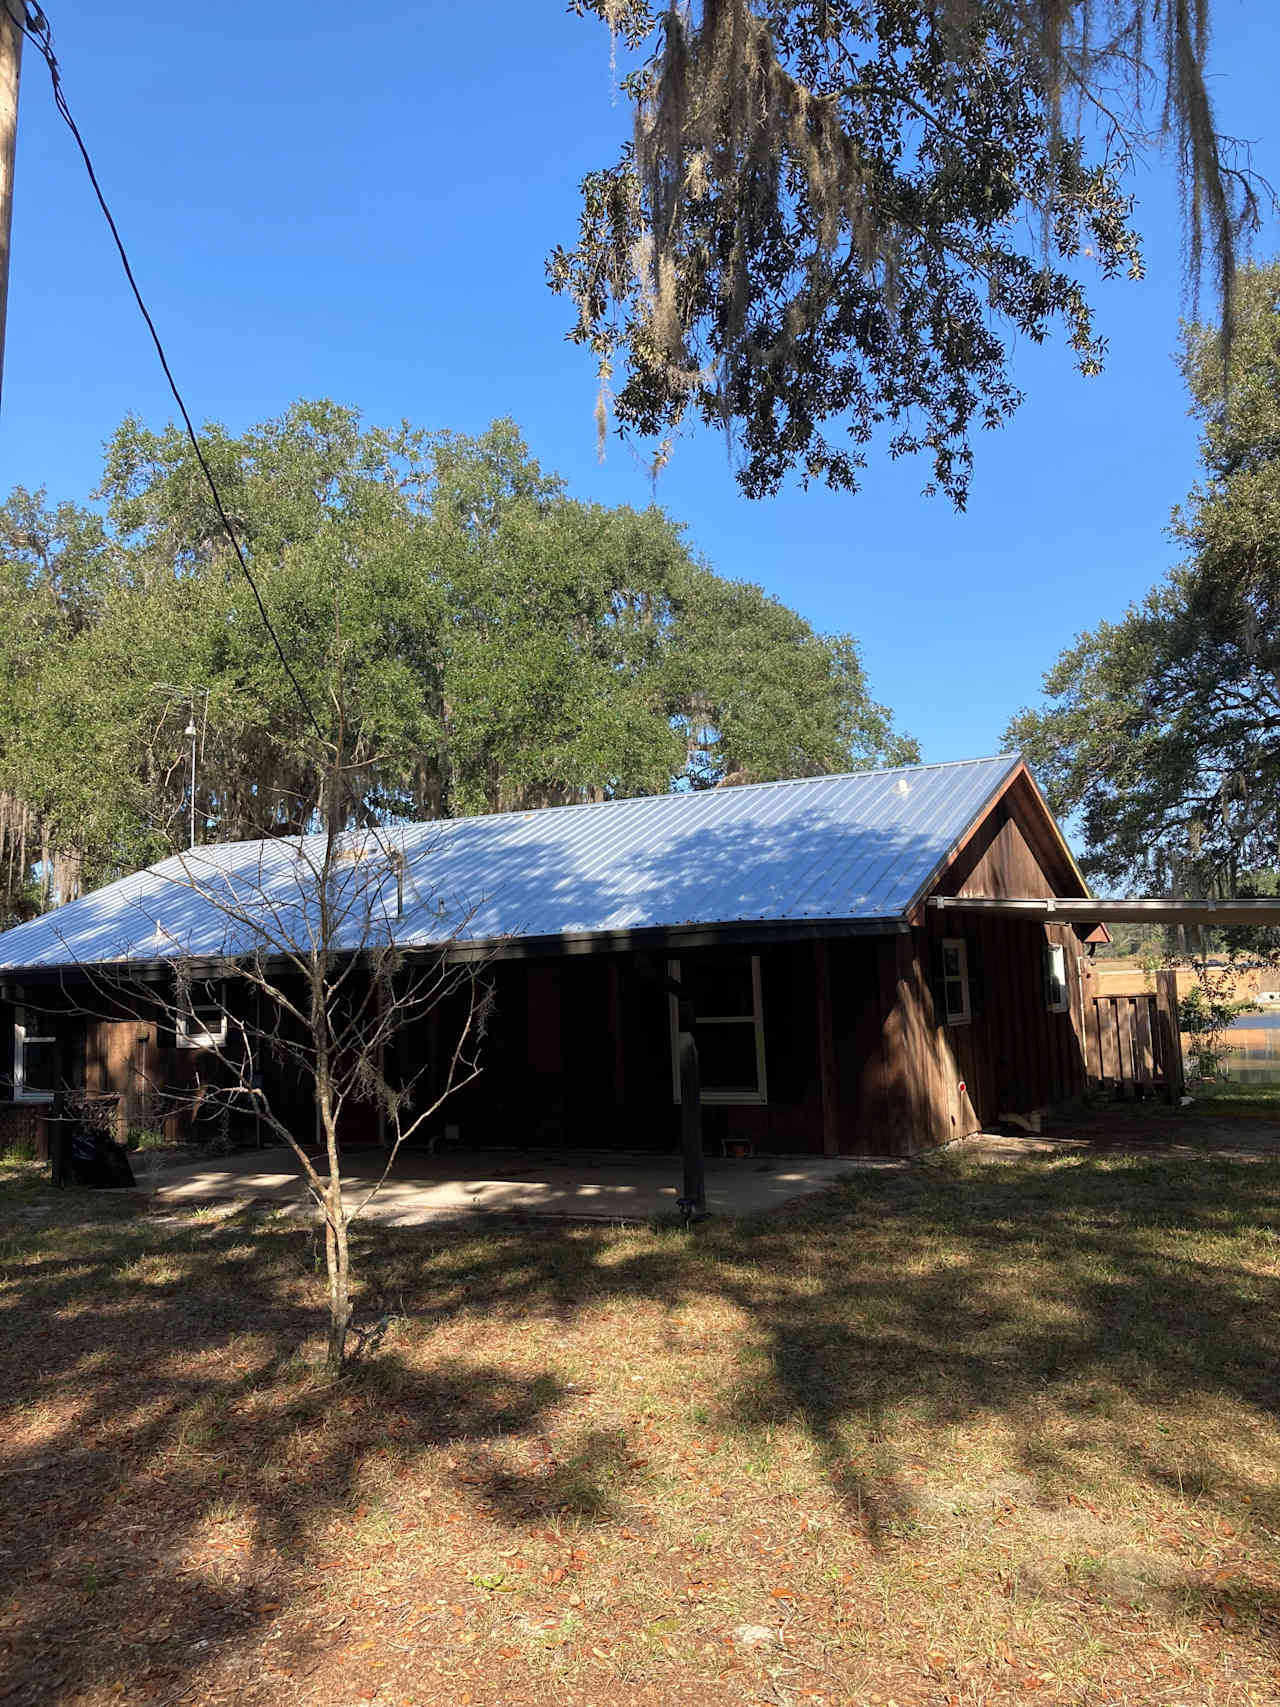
1260 910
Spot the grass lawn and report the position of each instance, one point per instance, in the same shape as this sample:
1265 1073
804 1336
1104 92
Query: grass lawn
972 1433
1222 1096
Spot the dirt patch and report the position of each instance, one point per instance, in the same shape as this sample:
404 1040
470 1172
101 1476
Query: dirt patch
1148 1130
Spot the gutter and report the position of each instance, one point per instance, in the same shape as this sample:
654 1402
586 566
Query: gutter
1248 910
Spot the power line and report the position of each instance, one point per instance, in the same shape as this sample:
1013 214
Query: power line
35 26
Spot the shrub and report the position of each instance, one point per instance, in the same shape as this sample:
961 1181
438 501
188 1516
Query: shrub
146 1138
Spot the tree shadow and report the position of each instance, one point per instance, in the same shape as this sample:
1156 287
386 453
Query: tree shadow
158 1397
159 1371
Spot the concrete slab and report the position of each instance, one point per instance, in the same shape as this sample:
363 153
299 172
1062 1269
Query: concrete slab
594 1185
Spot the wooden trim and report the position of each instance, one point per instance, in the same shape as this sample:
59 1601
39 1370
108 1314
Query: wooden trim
1019 773
727 1098
1051 823
965 1016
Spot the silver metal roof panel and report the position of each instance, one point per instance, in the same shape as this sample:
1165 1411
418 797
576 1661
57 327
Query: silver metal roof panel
852 848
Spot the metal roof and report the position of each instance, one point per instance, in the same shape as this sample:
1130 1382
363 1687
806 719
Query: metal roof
858 848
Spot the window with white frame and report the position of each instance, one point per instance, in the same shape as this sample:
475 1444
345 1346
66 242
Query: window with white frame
1056 992
203 1022
957 1005
34 1056
728 1026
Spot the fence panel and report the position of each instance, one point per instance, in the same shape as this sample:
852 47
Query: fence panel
1132 1040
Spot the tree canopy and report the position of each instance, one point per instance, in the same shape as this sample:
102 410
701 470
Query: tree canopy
1162 730
834 215
494 644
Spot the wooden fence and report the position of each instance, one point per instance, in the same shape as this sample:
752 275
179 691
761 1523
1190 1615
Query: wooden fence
1132 1041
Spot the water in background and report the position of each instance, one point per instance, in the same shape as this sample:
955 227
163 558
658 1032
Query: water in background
1255 1050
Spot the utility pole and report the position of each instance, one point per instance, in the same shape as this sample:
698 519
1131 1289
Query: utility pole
10 66
190 731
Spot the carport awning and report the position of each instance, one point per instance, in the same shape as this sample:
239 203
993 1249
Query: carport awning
1261 910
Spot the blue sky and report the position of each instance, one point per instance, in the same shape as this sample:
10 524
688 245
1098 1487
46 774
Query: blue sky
318 205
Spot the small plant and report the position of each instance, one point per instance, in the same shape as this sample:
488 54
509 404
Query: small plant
496 1582
1205 1013
146 1138
19 1150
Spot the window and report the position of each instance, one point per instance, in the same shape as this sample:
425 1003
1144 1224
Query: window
34 1056
204 1024
957 1008
728 1026
1056 992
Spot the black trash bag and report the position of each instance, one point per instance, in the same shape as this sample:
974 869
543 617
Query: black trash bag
97 1160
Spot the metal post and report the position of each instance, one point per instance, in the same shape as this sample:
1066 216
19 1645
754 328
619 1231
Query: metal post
191 731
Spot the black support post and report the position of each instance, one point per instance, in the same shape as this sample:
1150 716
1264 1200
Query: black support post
693 1202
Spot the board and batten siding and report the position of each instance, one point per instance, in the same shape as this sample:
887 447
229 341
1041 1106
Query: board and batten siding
1015 1055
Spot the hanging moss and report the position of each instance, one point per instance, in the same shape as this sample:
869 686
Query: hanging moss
839 212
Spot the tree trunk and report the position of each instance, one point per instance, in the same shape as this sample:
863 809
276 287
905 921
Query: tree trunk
338 1261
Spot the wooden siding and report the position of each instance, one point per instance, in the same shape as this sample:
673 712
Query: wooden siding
1015 1055
578 1048
577 1053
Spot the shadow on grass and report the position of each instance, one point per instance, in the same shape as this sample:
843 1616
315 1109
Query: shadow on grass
957 1292
158 1371
158 1368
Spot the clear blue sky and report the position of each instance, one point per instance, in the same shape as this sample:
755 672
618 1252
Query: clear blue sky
323 202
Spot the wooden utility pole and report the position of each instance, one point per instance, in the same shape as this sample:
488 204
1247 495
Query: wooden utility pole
1166 1017
10 66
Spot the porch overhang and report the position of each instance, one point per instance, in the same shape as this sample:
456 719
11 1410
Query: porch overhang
1254 910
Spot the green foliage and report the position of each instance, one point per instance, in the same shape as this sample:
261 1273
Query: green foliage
832 218
147 1138
1206 1011
496 645
1148 944
1161 731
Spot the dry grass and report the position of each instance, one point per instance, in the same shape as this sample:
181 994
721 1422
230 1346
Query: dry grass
969 1434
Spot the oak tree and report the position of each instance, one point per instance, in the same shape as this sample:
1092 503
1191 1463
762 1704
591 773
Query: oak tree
1162 730
834 216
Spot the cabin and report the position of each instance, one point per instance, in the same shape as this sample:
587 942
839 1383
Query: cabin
842 998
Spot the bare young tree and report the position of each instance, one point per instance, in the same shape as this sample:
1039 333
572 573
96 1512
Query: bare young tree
287 969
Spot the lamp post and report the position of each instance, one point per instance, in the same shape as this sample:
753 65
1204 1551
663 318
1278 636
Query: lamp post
190 733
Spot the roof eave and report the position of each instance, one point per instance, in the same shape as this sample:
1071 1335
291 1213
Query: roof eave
649 937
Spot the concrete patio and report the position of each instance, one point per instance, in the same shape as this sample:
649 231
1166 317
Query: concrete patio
589 1185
